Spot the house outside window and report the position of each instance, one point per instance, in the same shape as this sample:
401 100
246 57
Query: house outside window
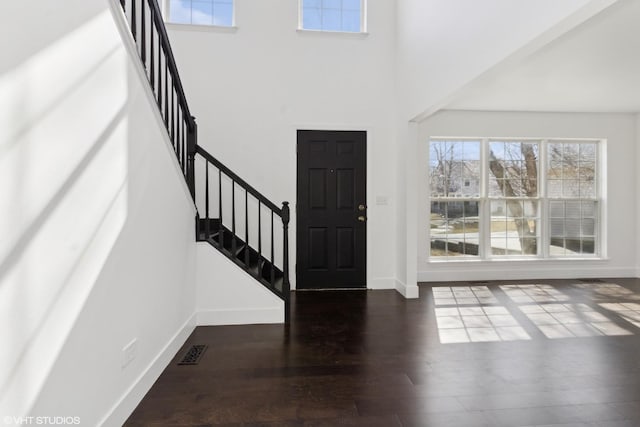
201 12
333 15
524 198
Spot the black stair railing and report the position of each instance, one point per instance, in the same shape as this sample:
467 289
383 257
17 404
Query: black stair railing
243 224
152 43
251 238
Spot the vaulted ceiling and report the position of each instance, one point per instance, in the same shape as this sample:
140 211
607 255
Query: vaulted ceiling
593 68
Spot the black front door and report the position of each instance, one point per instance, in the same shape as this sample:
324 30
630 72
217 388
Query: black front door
331 209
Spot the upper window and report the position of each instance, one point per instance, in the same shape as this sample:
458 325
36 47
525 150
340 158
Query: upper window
503 198
201 12
333 15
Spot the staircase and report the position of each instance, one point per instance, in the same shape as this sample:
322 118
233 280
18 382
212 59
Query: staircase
233 217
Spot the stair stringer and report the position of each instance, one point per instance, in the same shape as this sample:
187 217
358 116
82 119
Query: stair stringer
227 295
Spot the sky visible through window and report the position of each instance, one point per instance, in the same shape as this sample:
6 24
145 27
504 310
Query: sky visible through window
332 15
201 12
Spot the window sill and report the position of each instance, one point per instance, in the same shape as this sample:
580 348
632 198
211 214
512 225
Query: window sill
337 34
201 28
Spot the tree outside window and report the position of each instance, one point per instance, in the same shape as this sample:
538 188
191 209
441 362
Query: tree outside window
510 201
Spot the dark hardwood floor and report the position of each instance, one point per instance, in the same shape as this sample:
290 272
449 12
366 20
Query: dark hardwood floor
466 354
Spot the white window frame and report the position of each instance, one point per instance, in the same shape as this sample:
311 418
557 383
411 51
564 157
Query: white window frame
543 200
363 20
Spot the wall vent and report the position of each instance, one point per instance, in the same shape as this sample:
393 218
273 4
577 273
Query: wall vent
193 355
591 280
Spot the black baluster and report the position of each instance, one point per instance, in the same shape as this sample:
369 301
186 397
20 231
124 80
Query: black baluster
246 228
173 122
183 143
192 143
286 286
177 148
259 235
177 130
233 217
181 125
185 166
273 262
206 189
160 49
133 20
152 69
220 230
143 27
166 92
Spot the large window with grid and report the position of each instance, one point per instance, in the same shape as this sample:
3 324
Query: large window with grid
201 12
506 198
333 15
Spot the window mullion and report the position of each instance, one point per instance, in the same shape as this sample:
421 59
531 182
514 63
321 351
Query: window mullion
485 219
600 248
545 232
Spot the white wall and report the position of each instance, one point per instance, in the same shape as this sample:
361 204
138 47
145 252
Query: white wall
227 295
97 243
252 88
621 187
406 193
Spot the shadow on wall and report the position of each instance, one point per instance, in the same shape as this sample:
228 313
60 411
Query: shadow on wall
64 185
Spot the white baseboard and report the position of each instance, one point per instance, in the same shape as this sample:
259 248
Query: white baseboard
533 272
392 283
382 283
134 394
240 316
407 291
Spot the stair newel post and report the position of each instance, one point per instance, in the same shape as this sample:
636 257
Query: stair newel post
286 286
192 142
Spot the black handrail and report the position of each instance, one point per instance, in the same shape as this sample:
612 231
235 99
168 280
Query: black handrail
156 15
160 66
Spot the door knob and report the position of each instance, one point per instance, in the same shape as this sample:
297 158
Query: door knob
361 207
362 218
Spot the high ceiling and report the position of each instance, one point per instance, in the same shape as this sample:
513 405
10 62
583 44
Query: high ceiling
593 68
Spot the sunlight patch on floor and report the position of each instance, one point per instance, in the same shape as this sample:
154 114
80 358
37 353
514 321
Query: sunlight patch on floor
571 320
478 324
533 293
629 311
466 314
604 291
463 295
